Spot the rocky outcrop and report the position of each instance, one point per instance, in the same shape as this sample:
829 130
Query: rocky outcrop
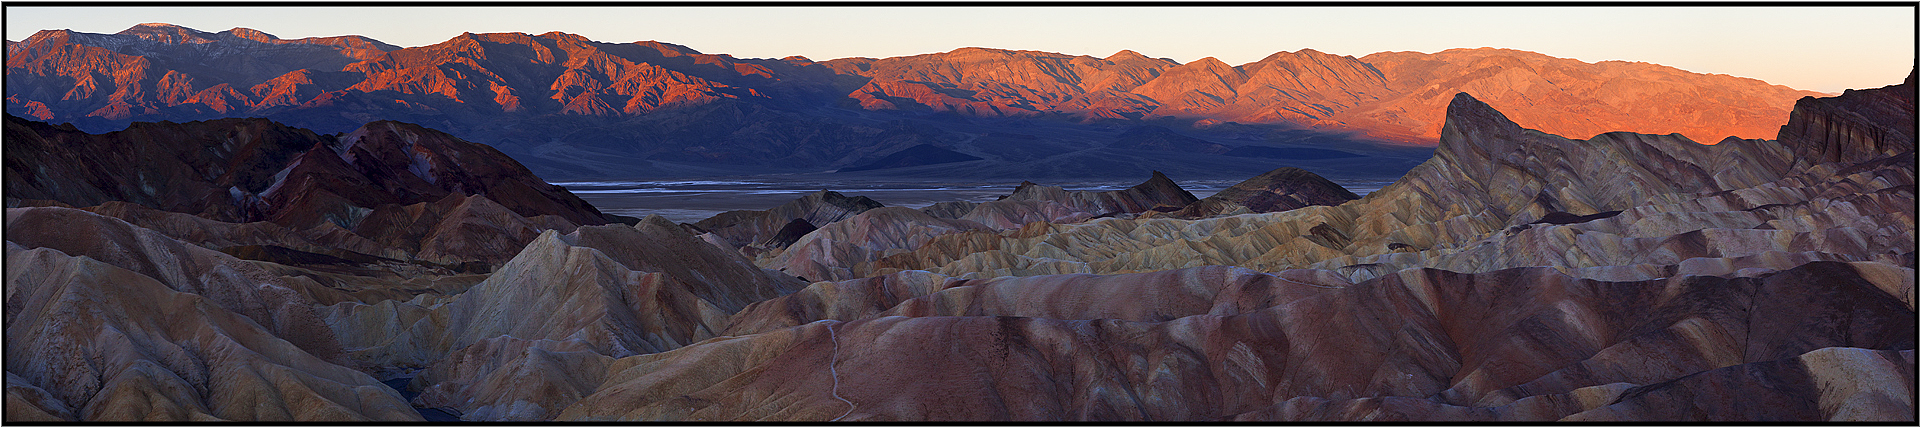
1854 127
1278 190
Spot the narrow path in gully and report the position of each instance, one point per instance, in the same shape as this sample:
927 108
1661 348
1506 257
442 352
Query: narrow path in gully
835 359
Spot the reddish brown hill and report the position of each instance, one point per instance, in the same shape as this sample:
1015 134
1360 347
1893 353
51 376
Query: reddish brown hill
1571 98
167 71
1391 95
1301 87
512 71
996 82
163 70
71 79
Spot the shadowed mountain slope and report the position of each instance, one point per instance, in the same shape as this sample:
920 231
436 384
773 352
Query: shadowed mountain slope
409 191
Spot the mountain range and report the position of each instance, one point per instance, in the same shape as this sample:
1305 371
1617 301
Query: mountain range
569 107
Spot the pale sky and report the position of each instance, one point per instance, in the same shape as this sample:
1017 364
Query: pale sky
1823 49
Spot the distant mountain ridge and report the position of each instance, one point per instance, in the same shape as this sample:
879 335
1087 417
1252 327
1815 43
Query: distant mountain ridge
562 102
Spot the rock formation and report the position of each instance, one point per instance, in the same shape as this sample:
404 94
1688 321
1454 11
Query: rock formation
390 189
1729 282
844 249
585 297
1857 126
1221 343
409 164
831 252
1490 199
1033 202
591 285
1278 190
760 228
203 168
217 278
88 340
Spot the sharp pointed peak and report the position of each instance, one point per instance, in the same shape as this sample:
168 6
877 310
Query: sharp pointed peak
1466 113
1466 103
1209 62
